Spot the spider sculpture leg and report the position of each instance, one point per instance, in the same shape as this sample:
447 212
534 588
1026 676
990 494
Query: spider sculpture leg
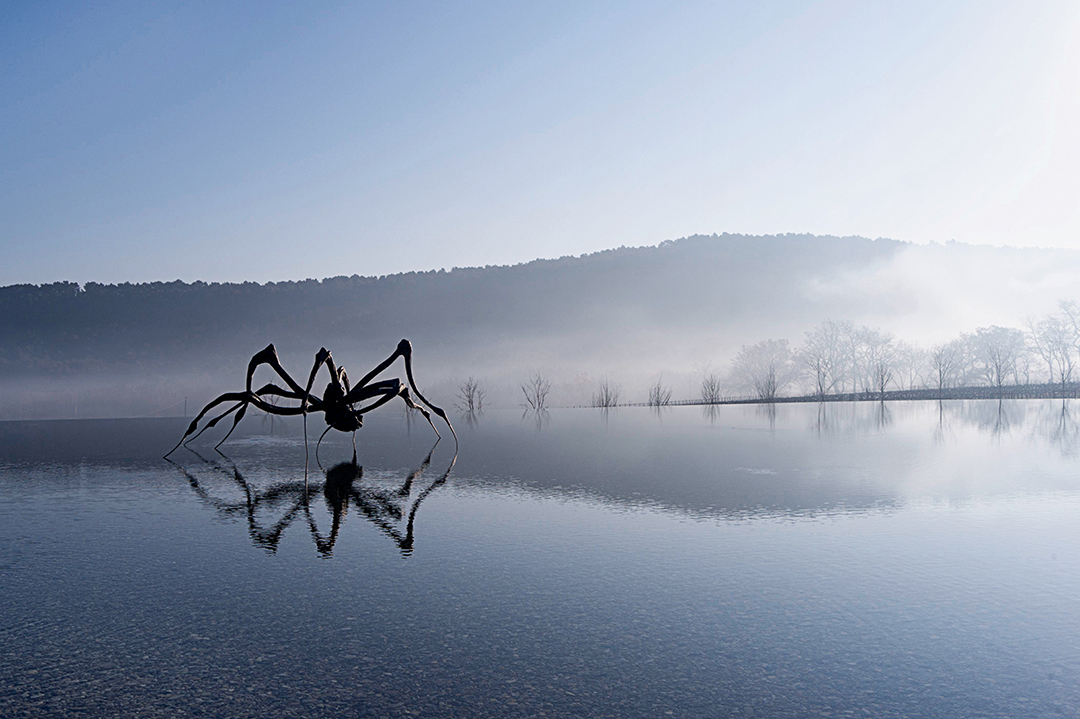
214 421
243 399
267 356
319 444
321 357
268 389
404 350
389 389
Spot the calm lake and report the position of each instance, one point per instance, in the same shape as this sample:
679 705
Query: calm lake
847 560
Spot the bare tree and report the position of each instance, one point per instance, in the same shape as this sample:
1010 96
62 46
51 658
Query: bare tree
1070 314
765 368
997 350
822 356
536 391
879 356
969 369
1067 358
471 397
1038 338
910 363
883 375
944 360
710 388
849 354
606 396
1023 366
1054 339
1071 311
659 395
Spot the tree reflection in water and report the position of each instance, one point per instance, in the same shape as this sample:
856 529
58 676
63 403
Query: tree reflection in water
541 417
1061 429
1051 421
769 411
883 417
289 501
472 417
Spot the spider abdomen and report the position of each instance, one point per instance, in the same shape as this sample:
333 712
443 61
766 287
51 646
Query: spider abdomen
339 415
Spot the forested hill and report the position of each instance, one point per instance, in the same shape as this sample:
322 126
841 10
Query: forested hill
594 301
629 312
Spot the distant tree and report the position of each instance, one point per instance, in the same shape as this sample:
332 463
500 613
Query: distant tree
606 396
883 375
822 356
1070 315
997 350
765 368
1038 338
969 370
659 395
710 388
536 391
911 361
1054 340
1023 367
879 353
470 396
849 357
944 359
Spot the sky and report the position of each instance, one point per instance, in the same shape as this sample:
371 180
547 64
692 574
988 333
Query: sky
261 141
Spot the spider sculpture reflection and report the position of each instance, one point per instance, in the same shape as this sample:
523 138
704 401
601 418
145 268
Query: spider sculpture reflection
271 510
338 403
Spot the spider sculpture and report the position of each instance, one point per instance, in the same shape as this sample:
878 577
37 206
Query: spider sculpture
338 403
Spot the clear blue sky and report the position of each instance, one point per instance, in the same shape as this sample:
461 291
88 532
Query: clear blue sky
262 141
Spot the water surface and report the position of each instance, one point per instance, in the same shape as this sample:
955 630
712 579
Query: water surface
849 560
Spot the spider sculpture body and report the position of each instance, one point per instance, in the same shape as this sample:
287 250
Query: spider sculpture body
341 402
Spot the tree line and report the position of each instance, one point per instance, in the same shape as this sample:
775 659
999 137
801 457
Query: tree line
838 357
841 358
